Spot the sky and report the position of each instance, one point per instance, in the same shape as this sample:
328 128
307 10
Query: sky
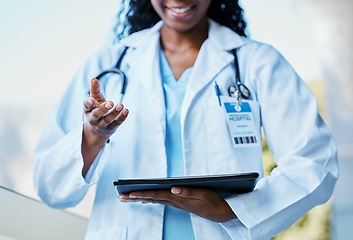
42 43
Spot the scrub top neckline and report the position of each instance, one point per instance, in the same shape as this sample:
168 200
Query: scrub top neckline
182 80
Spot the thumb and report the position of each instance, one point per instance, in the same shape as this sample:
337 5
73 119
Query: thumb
186 192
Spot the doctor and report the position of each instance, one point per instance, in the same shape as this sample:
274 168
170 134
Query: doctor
172 122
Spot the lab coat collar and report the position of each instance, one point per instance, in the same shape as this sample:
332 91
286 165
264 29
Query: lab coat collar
140 38
222 37
213 57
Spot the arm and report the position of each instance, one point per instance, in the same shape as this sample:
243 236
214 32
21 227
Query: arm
58 160
302 146
103 118
61 157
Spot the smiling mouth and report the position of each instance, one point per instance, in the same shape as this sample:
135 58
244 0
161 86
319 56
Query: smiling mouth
180 10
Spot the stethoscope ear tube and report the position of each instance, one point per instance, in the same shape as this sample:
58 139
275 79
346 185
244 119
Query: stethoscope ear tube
116 70
240 88
112 70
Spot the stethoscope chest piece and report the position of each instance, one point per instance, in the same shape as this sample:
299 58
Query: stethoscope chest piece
232 91
239 91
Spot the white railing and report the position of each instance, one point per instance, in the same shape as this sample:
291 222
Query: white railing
25 218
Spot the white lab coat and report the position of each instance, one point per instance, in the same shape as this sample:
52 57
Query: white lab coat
298 138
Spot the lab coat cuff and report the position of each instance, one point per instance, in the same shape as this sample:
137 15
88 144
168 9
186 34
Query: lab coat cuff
78 158
92 173
240 208
236 229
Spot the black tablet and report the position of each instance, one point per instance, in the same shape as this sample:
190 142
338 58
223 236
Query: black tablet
226 185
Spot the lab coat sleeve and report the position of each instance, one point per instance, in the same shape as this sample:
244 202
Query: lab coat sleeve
58 160
301 144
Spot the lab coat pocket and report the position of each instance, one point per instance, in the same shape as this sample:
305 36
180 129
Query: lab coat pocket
221 153
112 233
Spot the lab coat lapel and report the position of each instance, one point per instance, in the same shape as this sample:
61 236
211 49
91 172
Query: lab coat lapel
145 58
209 63
214 56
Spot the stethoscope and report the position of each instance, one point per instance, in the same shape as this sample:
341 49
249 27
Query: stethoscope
116 70
237 91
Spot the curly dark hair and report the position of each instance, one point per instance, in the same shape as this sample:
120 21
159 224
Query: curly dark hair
136 15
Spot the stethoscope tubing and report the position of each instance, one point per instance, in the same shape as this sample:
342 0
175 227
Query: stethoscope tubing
240 87
116 70
239 90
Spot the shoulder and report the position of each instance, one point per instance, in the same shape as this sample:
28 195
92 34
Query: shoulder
139 38
101 58
226 39
259 55
110 52
256 48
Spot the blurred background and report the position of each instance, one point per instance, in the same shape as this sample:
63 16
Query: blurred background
42 43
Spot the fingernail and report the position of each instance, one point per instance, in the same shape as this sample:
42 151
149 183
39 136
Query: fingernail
176 190
125 112
108 105
119 107
132 196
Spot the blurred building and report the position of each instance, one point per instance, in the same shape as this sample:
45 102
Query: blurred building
332 23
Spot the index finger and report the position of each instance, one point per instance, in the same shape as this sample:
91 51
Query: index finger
95 91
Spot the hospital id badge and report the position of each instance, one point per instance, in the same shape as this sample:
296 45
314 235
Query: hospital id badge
241 124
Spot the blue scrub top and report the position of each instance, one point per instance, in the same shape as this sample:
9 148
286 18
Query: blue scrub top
177 223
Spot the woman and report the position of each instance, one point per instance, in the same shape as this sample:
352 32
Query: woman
175 124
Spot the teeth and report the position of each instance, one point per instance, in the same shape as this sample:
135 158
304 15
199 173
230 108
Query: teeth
180 9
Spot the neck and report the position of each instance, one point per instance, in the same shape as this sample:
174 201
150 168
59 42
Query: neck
177 41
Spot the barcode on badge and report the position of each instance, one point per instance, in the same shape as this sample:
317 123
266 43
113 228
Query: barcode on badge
245 140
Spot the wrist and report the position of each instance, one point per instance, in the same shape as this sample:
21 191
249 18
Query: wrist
91 138
91 144
226 213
